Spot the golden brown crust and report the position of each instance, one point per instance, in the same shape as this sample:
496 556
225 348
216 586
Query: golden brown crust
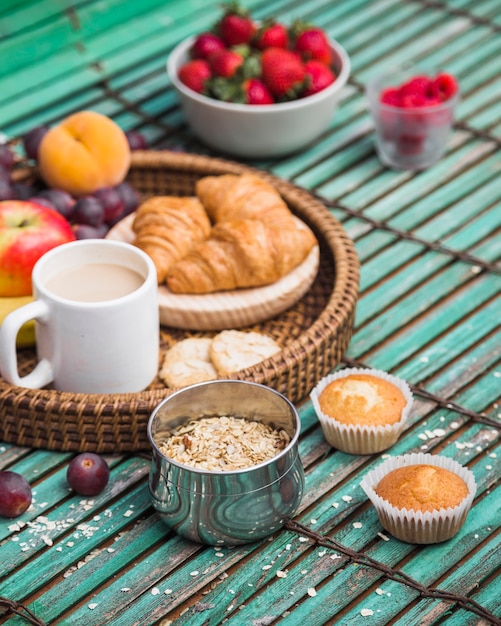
233 197
238 254
362 399
422 488
167 227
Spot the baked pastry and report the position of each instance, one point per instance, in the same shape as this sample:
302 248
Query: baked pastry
234 350
421 498
362 398
188 362
361 411
240 253
246 196
167 227
422 488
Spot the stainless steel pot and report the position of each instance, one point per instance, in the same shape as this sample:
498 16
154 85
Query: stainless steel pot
226 507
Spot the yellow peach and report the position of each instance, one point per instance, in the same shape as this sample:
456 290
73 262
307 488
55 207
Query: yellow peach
85 152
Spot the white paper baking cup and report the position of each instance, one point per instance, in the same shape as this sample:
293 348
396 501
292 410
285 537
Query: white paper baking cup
420 526
361 439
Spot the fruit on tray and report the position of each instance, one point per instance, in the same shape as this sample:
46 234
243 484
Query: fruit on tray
15 494
26 335
244 62
88 474
27 231
86 151
91 215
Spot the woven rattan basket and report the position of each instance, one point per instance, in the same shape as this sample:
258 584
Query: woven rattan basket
314 333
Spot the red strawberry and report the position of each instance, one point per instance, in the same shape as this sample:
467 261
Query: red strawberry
320 76
271 35
312 43
283 73
205 44
236 25
256 92
225 62
194 74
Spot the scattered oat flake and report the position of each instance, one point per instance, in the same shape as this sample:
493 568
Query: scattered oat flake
155 591
281 574
347 498
335 504
488 467
383 536
313 521
167 592
128 513
379 591
357 524
92 605
266 567
312 592
493 455
439 432
303 539
366 612
125 589
194 573
454 424
220 554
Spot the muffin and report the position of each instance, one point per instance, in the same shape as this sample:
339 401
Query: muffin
362 411
421 498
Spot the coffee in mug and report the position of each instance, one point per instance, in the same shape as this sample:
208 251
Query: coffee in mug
96 320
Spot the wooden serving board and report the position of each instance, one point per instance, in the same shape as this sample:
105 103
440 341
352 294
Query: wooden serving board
229 309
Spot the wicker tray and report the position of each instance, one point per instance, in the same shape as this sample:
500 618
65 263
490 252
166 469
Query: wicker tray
314 333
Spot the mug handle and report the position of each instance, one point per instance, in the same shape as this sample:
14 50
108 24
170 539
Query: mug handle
42 374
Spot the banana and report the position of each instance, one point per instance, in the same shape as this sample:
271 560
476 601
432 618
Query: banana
26 336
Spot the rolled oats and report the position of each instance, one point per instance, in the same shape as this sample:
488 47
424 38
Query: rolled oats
223 443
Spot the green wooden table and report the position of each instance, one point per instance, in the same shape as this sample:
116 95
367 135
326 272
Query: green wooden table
429 311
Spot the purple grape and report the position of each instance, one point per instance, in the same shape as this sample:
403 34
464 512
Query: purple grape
111 201
6 190
15 494
42 201
88 474
7 158
84 231
61 200
32 139
23 191
137 141
129 196
88 210
5 174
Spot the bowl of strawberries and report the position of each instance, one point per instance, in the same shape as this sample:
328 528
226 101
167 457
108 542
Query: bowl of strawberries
258 89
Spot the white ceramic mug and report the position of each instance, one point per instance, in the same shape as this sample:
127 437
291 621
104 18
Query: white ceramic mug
96 320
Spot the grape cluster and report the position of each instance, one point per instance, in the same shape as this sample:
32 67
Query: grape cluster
92 215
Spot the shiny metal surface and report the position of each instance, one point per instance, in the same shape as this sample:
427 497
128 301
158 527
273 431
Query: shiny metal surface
234 507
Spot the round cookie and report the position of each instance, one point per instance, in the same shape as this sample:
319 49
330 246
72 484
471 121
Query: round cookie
234 350
188 362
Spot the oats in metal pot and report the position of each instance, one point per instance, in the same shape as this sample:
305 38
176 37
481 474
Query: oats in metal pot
223 443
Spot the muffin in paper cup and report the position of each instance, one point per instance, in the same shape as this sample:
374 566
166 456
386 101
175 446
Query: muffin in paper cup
417 526
362 438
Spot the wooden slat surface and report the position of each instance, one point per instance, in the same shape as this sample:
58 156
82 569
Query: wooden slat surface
429 311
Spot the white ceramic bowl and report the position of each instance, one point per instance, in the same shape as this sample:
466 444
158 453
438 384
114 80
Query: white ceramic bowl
258 131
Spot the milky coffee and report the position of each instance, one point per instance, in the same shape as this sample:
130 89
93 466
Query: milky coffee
94 282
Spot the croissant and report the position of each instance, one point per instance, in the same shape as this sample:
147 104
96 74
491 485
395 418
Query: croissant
246 196
240 253
167 227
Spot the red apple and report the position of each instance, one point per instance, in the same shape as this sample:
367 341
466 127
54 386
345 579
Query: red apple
27 231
